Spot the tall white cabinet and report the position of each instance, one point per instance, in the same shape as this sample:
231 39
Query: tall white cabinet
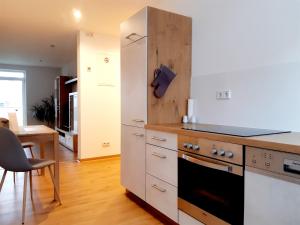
150 38
134 102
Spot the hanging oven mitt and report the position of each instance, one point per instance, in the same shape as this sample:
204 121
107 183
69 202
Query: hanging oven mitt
162 80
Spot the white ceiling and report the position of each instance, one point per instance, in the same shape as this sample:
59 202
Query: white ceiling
29 27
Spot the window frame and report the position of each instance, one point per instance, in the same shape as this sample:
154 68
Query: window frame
24 101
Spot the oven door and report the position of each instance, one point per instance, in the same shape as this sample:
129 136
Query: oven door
210 190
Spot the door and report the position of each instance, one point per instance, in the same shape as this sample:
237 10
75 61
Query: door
12 95
134 83
270 200
133 159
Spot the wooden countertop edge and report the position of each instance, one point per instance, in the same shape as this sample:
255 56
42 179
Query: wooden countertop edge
267 144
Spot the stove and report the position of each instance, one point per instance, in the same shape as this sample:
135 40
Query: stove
231 130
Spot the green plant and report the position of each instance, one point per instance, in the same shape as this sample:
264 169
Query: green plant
45 111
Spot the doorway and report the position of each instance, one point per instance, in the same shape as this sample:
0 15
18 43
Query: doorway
12 94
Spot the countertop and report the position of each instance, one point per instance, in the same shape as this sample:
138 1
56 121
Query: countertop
286 142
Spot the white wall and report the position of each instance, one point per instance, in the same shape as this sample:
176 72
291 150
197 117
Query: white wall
251 47
39 85
99 95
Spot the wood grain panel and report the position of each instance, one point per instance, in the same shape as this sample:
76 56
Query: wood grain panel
169 43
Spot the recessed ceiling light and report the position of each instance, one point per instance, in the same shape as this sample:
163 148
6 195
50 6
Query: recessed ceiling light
77 14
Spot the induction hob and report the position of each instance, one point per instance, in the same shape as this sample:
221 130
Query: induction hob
231 130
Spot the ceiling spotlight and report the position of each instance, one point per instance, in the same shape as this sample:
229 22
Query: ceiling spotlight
77 14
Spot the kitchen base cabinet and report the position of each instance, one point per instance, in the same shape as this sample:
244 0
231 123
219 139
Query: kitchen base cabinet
162 196
161 163
133 160
185 219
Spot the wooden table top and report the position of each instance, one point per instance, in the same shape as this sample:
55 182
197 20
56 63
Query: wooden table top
286 142
34 130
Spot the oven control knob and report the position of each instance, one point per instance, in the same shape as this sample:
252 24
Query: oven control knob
190 146
196 147
221 152
185 145
214 151
229 154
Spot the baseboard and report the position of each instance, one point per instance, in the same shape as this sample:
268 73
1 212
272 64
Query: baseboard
154 212
100 157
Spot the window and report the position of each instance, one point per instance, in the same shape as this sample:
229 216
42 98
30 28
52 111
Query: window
12 94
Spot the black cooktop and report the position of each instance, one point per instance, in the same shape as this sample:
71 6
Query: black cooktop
231 130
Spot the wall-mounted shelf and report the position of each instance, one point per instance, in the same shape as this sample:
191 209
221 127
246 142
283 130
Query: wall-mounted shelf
74 80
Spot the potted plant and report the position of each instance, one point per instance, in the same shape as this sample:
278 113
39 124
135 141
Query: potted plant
45 111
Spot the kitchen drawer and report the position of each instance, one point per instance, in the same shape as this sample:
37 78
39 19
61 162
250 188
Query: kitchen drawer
162 139
185 219
162 163
162 196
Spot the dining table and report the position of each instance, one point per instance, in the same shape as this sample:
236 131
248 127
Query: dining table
41 135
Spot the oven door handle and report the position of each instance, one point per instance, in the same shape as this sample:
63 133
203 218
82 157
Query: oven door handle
206 163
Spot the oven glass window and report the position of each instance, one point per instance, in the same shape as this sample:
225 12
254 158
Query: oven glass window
217 192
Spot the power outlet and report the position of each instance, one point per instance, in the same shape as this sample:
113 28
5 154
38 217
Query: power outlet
105 144
223 95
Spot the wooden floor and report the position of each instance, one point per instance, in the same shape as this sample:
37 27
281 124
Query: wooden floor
91 195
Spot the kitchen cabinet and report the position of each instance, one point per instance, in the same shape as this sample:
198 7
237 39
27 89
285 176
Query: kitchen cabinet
161 173
133 160
162 196
150 38
134 83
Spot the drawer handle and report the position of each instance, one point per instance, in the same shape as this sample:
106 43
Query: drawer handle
159 188
159 155
159 139
138 135
138 121
133 34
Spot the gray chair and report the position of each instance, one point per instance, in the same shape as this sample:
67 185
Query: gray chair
13 158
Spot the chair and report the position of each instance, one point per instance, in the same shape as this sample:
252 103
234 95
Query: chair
13 158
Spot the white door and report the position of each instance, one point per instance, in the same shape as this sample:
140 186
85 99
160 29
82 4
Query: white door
133 157
134 83
271 201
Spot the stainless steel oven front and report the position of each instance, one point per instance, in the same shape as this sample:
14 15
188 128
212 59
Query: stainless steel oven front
211 181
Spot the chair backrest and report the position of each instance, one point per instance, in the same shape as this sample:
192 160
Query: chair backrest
12 155
4 122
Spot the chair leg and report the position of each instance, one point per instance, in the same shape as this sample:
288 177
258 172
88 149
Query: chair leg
30 183
55 187
2 179
24 196
14 177
31 152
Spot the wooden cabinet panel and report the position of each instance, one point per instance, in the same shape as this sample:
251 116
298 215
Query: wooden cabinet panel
134 83
169 43
162 163
133 160
162 196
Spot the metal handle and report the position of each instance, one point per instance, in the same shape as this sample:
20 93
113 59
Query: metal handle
159 188
206 163
133 34
159 139
138 135
138 121
159 155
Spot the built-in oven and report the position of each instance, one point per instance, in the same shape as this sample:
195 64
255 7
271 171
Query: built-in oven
211 181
